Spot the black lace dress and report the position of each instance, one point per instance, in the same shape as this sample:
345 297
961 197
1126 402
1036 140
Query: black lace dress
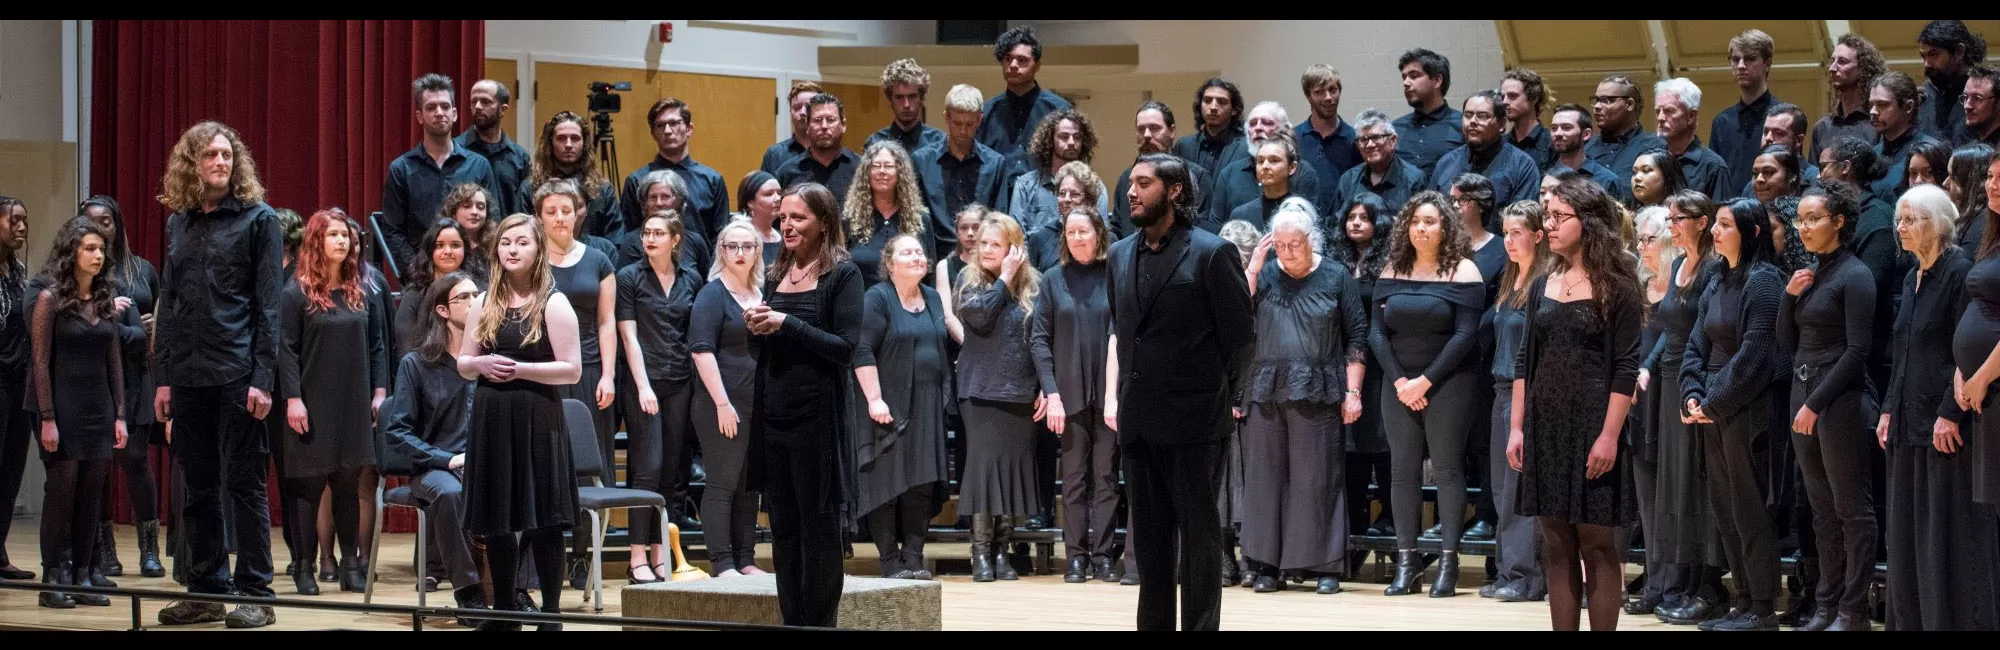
518 471
1573 359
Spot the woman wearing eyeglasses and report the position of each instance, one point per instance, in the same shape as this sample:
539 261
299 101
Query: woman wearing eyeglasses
881 204
1077 188
1690 576
718 342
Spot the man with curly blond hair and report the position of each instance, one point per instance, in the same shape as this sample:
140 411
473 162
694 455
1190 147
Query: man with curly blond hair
906 84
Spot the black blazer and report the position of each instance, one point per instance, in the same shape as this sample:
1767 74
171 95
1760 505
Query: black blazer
989 191
1182 342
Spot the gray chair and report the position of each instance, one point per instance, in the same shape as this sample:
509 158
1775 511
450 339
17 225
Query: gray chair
393 464
594 498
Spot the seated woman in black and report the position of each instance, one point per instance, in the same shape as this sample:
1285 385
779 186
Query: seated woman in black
904 372
1726 377
78 381
1425 325
1942 553
1303 388
1827 323
333 378
426 424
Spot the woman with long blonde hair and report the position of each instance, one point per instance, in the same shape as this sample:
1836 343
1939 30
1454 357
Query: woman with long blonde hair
523 348
1000 393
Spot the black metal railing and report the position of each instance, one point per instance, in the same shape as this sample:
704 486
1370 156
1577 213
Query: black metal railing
417 614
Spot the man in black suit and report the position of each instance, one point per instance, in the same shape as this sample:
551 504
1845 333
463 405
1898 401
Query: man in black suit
1181 320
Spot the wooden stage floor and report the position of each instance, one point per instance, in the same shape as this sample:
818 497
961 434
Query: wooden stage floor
1039 602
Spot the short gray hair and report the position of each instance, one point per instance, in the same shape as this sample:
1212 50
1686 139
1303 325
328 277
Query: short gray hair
965 99
674 182
1933 208
1298 214
1680 87
1372 118
1284 119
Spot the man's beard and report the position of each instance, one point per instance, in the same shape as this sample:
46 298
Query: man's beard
1148 214
484 122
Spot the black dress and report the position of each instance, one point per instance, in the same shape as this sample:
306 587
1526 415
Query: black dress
330 360
1978 332
907 351
80 377
518 471
1579 358
1682 523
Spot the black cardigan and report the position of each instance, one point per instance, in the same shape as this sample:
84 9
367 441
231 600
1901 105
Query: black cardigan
1626 321
897 381
1920 382
1757 363
839 296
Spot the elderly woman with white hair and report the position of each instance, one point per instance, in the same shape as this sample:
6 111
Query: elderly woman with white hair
1302 387
1941 547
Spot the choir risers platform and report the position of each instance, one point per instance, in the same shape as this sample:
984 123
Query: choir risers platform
865 603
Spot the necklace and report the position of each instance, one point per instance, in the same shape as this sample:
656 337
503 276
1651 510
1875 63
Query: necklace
562 253
796 277
1569 285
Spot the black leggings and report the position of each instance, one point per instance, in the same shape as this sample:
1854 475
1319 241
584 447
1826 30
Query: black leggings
1563 543
302 514
503 564
1442 426
898 527
69 511
728 507
140 487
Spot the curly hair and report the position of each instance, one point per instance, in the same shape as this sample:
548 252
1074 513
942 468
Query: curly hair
461 195
1783 212
1369 261
181 187
905 71
311 272
857 213
1042 144
1614 277
59 272
1027 282
1456 244
1841 200
1085 178
539 286
590 180
1236 106
1866 55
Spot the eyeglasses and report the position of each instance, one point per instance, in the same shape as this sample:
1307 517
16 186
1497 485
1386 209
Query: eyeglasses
463 297
1556 219
739 248
1685 218
1476 115
1647 240
884 166
668 124
1289 246
1969 99
1374 140
1074 195
1909 220
1079 234
824 121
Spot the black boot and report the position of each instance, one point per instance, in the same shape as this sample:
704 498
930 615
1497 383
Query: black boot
54 599
95 576
472 597
1003 557
107 554
1103 569
1232 575
149 550
1446 584
72 576
982 548
1800 609
1408 570
303 582
1078 570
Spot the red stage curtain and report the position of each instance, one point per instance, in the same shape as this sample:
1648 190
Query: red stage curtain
323 106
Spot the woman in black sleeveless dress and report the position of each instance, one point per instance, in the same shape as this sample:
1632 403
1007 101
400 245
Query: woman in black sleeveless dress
522 347
1579 364
79 383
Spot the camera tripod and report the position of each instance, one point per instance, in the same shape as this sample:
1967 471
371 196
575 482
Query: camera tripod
606 148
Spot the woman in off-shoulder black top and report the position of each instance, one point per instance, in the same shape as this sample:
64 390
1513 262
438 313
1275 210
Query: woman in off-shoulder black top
1726 391
1423 332
1941 547
1827 322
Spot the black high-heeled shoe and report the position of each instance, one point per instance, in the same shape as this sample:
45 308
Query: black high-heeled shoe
1408 570
302 581
354 575
632 574
328 571
1446 584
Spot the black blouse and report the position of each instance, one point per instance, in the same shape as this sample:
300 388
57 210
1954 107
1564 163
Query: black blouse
1308 330
716 327
661 316
1677 314
997 363
427 416
1920 382
1424 328
1072 325
1831 326
1732 356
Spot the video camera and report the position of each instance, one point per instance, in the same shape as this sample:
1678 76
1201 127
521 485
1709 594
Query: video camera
602 99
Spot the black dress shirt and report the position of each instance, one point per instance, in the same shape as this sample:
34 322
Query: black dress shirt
1897 154
1617 151
1212 152
1514 174
1237 183
1395 188
778 154
1737 134
510 165
217 316
1425 137
426 420
1331 155
1604 177
1539 146
1842 121
923 136
413 194
1011 118
660 317
1941 115
704 211
949 184
1831 326
1920 384
1704 171
836 176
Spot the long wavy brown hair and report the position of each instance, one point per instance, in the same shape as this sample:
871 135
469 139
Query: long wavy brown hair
593 180
181 187
1455 245
857 214
311 269
832 239
537 286
1027 281
1613 269
59 271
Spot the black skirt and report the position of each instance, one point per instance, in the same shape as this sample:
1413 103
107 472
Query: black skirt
1944 554
518 471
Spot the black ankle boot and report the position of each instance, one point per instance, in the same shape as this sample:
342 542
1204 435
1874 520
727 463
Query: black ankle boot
73 576
982 548
54 599
149 550
982 567
1003 566
354 575
1232 574
1802 605
303 582
107 553
1408 570
1446 584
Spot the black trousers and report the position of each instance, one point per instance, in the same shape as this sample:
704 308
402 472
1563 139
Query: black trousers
1738 505
1480 451
1362 470
728 507
1835 461
1049 449
135 459
1089 484
1173 530
898 529
222 452
1663 579
805 530
16 434
442 496
1518 538
1442 427
70 507
653 455
302 514
1294 515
